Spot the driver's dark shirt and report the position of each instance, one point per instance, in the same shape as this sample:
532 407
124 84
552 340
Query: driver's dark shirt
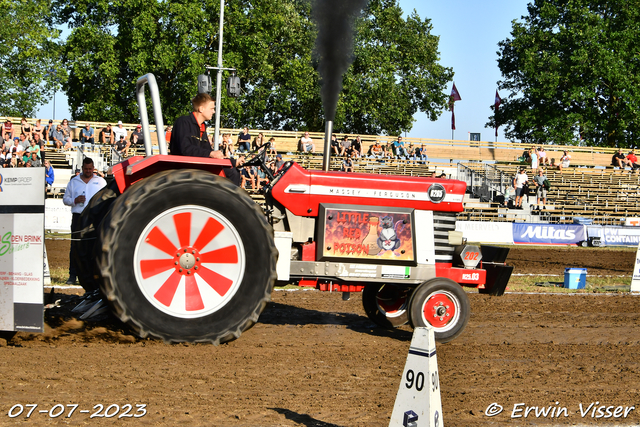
187 138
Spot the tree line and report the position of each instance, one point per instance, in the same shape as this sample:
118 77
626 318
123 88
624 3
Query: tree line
570 68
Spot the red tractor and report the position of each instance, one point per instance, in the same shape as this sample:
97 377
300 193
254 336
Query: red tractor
183 254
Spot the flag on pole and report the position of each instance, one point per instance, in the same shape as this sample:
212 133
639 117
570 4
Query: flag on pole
455 96
498 101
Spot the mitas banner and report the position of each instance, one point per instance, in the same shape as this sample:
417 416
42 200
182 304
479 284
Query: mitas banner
549 234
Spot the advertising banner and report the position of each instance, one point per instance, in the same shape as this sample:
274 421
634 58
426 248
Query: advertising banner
632 222
22 249
619 236
366 234
548 234
57 216
486 232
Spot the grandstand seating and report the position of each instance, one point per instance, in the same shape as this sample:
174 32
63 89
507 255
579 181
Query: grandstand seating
588 188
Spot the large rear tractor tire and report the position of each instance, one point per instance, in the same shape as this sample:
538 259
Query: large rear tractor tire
386 305
89 274
187 257
442 304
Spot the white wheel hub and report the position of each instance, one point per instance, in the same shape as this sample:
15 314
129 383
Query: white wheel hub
189 261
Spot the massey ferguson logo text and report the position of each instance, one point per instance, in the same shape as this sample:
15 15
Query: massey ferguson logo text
540 232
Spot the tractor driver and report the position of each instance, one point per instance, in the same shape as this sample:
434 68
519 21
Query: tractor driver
189 136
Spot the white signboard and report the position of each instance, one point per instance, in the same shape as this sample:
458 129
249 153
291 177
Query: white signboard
57 216
486 232
21 249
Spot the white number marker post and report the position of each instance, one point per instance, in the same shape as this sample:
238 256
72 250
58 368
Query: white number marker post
635 279
418 402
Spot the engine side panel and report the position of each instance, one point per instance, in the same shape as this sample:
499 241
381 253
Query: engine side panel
301 191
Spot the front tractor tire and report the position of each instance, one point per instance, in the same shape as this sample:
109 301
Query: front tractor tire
442 304
187 257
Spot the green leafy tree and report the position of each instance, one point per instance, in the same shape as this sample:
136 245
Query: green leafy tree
28 49
572 69
270 42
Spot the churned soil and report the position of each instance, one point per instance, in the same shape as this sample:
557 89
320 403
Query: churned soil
315 360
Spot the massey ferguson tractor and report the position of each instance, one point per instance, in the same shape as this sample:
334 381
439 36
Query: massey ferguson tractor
184 255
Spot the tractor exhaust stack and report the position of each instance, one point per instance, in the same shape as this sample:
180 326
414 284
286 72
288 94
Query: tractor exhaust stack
326 160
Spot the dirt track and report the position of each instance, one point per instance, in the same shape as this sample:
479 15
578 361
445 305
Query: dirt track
314 360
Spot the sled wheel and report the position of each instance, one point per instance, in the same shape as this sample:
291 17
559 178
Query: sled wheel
187 257
442 304
386 305
88 272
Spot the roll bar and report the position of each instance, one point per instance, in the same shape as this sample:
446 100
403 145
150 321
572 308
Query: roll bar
150 79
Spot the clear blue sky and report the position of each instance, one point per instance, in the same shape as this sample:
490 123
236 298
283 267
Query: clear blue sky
469 33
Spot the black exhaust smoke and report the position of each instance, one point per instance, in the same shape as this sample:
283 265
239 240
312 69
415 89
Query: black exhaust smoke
334 46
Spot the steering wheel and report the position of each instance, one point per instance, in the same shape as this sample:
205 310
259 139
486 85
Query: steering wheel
258 157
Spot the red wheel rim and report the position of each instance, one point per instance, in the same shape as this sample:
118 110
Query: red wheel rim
189 261
441 310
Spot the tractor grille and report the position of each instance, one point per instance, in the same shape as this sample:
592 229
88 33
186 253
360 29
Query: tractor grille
443 222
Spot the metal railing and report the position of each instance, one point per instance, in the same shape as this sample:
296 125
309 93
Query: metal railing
484 181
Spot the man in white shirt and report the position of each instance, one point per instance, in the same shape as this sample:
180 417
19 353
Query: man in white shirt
518 184
306 144
119 132
80 190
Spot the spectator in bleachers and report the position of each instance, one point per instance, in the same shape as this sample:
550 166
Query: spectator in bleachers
420 154
34 161
17 148
248 175
58 138
7 130
25 128
106 135
272 147
347 165
388 149
48 132
399 149
619 160
121 145
356 145
5 156
87 134
39 129
66 131
345 146
14 161
258 141
34 148
119 132
279 162
167 134
542 185
543 160
375 150
533 155
306 144
226 146
518 183
137 137
565 161
49 174
633 160
244 140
